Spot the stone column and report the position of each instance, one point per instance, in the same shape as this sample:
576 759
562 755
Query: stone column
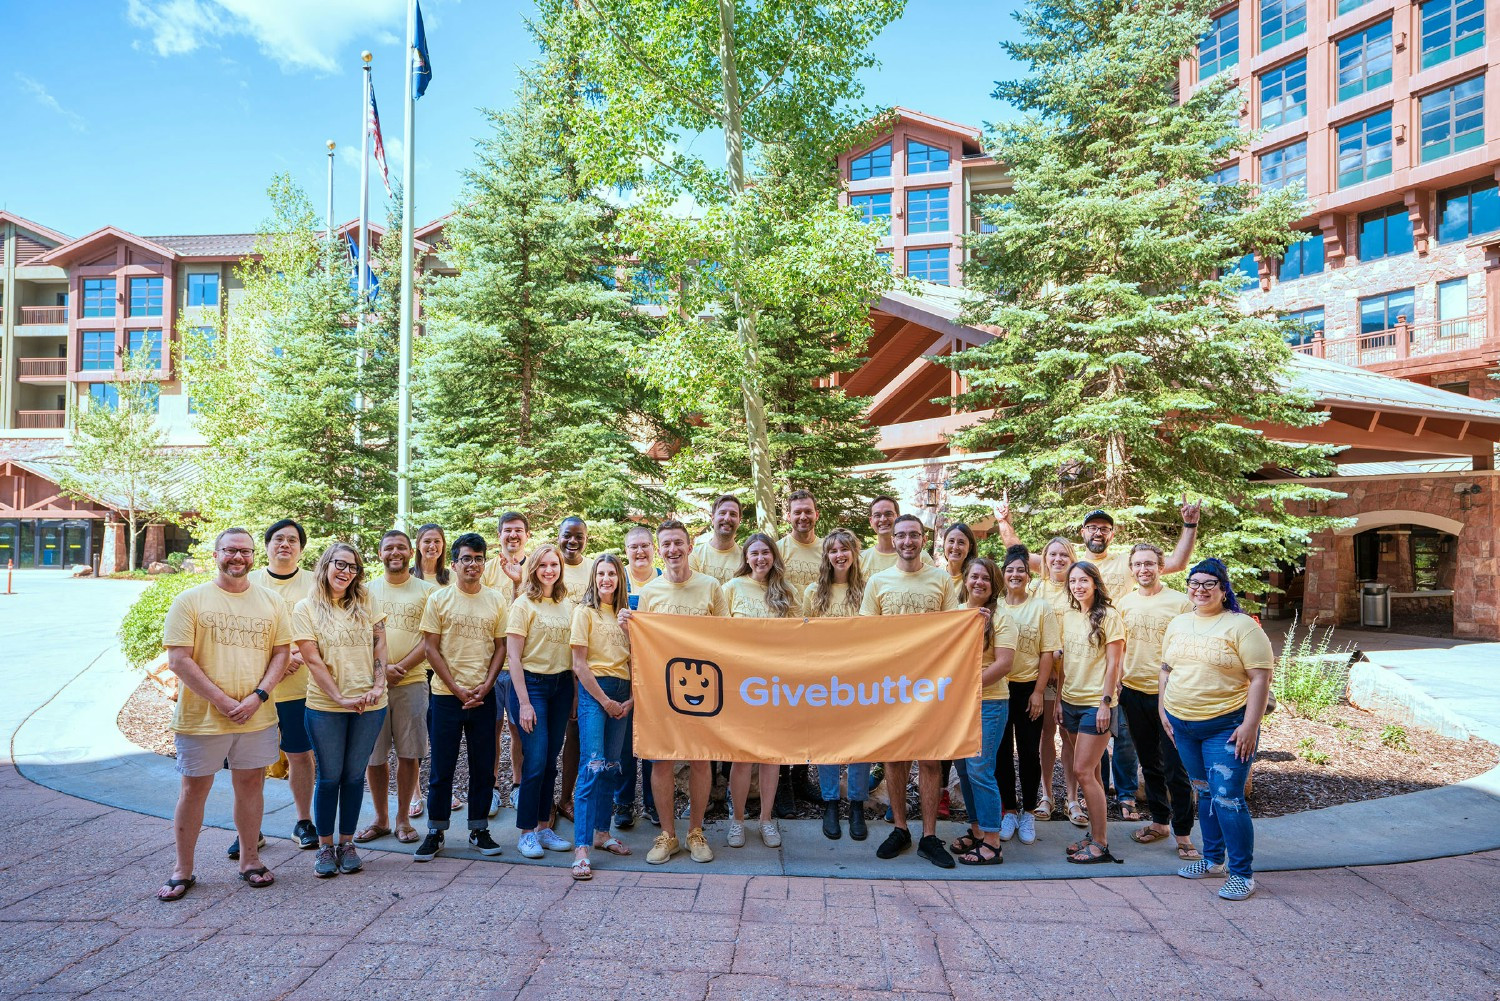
155 550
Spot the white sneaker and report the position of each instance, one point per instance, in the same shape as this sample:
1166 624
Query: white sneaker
494 802
1026 829
515 797
530 846
552 841
736 835
770 834
1008 826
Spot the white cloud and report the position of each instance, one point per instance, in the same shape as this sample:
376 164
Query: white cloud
45 99
297 34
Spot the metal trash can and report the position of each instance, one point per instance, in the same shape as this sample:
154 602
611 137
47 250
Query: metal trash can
1375 605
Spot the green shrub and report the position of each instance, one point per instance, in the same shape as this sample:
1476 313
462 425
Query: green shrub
1311 676
1307 749
1393 735
140 630
175 560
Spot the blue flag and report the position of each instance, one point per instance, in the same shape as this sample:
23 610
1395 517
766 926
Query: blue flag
372 287
421 65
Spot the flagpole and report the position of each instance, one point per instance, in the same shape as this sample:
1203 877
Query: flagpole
363 264
408 198
329 217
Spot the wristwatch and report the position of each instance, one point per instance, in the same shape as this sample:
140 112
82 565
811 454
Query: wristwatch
262 693
1107 702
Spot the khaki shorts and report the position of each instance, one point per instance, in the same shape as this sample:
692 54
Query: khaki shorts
200 754
405 723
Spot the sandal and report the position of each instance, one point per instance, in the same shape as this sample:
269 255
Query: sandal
172 886
1148 835
977 855
564 810
406 835
1092 854
582 870
1080 844
418 804
1043 809
963 844
258 878
1078 815
614 846
371 833
457 803
1188 853
1129 811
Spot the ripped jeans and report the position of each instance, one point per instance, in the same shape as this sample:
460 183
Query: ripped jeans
1218 777
601 741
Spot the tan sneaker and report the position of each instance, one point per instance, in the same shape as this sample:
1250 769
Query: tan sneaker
698 846
665 847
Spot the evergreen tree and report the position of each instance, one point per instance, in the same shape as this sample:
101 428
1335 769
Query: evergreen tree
1128 374
526 399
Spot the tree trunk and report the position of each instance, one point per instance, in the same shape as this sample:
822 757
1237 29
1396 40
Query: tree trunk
130 541
761 477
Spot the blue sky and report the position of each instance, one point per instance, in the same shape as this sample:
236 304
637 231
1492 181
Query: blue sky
170 116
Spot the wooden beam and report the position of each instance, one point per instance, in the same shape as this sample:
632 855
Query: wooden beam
1338 433
933 431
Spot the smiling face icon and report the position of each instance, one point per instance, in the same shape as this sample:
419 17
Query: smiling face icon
695 687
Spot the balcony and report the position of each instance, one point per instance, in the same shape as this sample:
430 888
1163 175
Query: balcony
1407 348
42 369
40 419
32 316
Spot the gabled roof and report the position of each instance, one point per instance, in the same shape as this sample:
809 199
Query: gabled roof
376 230
70 252
210 244
934 122
434 227
35 227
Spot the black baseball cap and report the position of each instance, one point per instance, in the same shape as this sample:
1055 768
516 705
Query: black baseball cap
1099 515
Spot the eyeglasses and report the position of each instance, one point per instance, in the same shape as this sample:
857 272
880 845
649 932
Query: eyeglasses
344 566
469 561
1203 585
247 553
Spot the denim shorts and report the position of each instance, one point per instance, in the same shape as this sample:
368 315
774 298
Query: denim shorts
1080 719
292 715
502 693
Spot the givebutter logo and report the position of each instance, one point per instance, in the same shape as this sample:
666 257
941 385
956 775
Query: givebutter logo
695 687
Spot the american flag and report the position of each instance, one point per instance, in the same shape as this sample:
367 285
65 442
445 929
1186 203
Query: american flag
372 126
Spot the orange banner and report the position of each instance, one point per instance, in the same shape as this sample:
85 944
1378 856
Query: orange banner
799 691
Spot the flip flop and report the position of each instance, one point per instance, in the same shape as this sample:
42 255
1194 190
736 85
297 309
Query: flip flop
371 833
173 885
1129 811
1188 853
258 878
582 870
1087 857
614 846
417 806
1148 835
407 835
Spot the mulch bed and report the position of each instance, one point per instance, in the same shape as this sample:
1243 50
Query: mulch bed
1289 776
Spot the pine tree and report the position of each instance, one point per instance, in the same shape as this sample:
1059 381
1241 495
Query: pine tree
1127 374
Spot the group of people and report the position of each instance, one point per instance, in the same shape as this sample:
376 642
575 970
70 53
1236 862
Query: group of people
452 642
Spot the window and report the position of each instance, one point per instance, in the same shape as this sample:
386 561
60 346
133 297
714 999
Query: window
876 206
928 265
105 394
1281 20
1248 271
884 257
203 290
1382 312
1365 149
1364 60
1450 28
1384 233
1453 119
98 297
146 342
649 287
145 297
1303 258
876 163
927 210
97 351
1283 94
1220 48
1427 549
1461 388
1468 210
1453 305
603 273
1226 175
1345 6
1284 166
924 159
1309 325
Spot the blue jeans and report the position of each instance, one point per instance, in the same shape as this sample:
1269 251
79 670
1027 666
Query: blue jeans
976 776
448 722
1219 779
551 697
1123 761
601 739
341 745
625 791
859 782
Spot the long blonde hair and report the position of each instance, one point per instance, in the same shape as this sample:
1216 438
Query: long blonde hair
823 590
532 586
354 604
778 595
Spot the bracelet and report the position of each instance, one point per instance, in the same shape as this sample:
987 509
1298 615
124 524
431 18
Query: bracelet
1189 524
263 696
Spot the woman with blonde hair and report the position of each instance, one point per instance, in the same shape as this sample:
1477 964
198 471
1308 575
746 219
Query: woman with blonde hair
838 591
343 645
758 590
1052 586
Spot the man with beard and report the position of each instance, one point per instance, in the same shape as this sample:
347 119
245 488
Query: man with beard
719 555
503 573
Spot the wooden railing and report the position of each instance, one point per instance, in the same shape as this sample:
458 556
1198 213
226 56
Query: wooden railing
40 418
42 368
1403 341
31 315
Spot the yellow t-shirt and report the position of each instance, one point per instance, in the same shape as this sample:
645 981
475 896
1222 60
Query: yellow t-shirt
700 594
1003 636
402 607
1084 664
576 577
721 566
1054 594
347 648
635 585
871 561
231 636
598 632
1114 567
746 598
838 601
292 590
467 626
1146 621
1211 657
896 592
497 578
547 626
1037 631
801 561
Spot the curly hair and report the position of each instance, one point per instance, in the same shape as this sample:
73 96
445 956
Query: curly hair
823 588
353 603
993 572
1097 607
